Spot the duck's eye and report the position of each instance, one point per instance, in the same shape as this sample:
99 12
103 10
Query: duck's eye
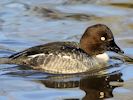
103 38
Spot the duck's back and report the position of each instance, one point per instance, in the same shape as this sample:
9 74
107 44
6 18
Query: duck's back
56 57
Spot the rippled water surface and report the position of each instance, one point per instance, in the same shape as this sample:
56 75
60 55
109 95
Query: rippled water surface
26 23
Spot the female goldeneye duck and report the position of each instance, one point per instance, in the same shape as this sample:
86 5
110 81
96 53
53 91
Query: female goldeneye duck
70 57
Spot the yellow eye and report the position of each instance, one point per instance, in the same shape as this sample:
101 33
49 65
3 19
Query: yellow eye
103 38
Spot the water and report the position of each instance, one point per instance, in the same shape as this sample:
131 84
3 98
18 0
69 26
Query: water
26 23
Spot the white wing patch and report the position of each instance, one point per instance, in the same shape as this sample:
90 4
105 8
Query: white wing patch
67 57
51 54
33 56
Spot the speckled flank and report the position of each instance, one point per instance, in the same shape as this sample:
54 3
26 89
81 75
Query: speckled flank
64 64
70 60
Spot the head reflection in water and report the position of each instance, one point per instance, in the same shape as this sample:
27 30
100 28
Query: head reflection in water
95 87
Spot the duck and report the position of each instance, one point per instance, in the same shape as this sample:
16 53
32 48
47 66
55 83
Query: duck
68 57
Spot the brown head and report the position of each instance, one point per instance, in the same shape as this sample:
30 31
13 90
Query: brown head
98 39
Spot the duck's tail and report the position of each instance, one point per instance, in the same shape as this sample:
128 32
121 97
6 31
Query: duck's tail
5 60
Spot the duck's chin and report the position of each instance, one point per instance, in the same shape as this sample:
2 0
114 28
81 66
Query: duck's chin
103 57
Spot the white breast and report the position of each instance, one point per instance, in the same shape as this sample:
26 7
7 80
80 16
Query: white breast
103 57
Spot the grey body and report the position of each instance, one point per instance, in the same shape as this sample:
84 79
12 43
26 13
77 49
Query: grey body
56 57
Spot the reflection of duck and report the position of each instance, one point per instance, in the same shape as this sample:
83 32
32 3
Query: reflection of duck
69 57
99 88
95 87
